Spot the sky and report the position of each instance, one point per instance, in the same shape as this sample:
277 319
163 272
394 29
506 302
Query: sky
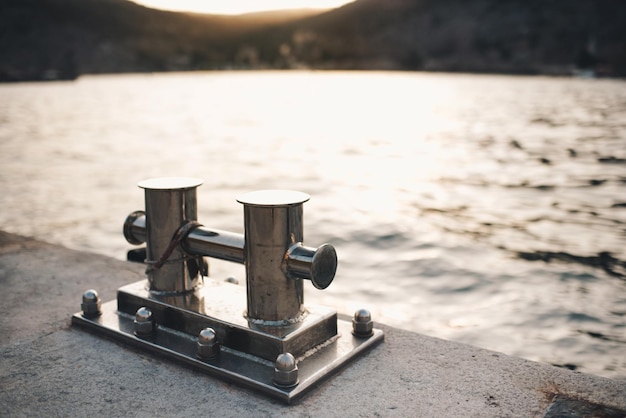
234 7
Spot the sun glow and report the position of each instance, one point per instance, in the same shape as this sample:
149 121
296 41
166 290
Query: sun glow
235 7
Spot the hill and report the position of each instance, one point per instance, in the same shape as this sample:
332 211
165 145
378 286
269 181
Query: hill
513 36
64 38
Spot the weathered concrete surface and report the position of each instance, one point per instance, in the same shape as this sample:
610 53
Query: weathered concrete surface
48 368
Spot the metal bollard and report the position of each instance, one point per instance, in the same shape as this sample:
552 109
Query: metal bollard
273 225
276 260
170 202
272 343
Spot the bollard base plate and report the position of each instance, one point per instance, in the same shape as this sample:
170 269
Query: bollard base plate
234 363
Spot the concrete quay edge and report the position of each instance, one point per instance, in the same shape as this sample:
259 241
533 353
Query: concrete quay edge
49 368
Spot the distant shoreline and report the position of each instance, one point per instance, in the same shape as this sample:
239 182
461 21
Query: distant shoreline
52 76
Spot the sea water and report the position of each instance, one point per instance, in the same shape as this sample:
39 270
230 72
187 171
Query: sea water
489 210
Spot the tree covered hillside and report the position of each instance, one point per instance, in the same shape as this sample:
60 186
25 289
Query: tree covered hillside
42 39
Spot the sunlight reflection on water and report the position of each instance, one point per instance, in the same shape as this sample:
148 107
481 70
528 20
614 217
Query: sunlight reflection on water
428 185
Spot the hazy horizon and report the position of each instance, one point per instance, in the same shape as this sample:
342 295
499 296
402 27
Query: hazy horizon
237 7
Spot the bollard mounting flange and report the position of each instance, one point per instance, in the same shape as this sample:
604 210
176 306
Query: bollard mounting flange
247 352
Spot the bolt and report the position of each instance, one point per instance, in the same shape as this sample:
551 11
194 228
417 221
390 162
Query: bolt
144 323
91 306
362 325
208 346
285 371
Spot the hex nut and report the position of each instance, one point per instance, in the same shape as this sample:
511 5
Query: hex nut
92 305
362 325
144 322
208 346
285 371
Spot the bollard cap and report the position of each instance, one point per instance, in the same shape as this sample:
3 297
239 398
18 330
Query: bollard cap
273 198
170 183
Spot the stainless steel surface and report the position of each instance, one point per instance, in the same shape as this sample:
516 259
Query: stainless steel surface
170 203
220 306
215 243
273 198
275 260
273 342
316 264
271 248
92 304
272 224
135 227
285 371
234 365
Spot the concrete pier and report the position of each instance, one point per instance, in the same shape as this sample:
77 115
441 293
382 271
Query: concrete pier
48 368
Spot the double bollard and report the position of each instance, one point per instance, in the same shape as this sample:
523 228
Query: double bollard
271 248
275 343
